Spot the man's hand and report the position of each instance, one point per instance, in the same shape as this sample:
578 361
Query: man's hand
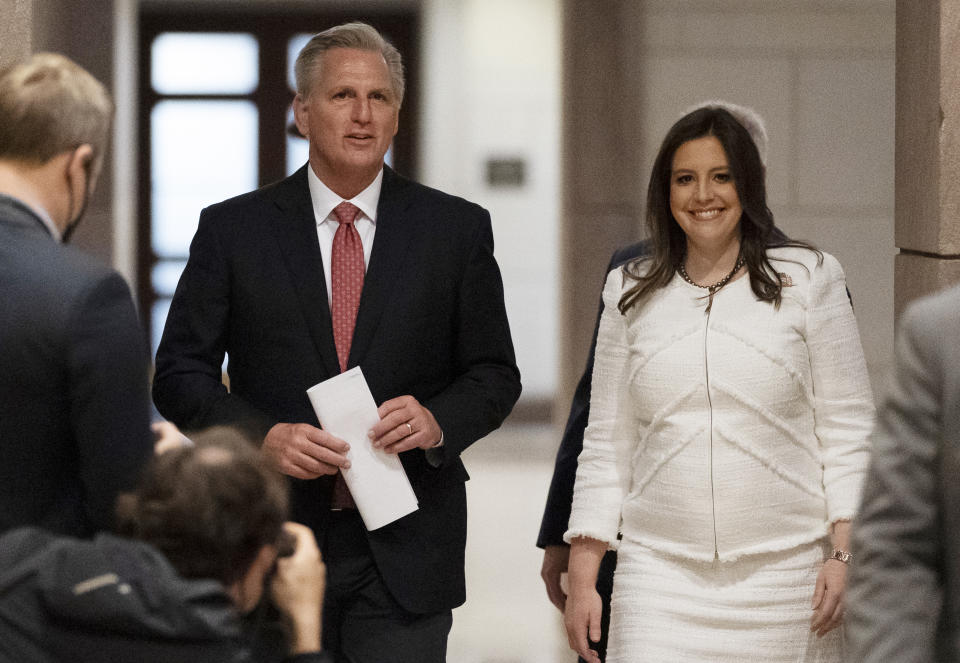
404 424
304 451
555 561
297 590
166 436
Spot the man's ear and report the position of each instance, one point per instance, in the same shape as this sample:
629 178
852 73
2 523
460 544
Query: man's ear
300 115
80 165
81 157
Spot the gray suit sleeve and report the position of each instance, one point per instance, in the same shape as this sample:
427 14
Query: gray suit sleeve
895 593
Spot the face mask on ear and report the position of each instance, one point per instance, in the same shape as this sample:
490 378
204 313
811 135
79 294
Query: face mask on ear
72 224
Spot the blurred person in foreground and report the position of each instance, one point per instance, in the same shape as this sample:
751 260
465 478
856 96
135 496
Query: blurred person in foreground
556 513
74 401
905 587
202 535
346 264
728 429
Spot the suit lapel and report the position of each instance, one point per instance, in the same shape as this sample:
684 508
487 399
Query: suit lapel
295 228
384 272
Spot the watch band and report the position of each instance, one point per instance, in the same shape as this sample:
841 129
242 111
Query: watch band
841 556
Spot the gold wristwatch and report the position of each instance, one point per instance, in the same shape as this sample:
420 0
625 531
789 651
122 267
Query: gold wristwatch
841 556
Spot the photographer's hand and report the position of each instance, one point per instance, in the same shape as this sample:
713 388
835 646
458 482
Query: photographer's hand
297 590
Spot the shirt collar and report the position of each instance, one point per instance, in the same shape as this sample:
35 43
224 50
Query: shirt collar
41 214
324 200
48 222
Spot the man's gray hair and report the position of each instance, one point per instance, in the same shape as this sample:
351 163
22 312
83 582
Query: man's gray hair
349 35
49 105
748 117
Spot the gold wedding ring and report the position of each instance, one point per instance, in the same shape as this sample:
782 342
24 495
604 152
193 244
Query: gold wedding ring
409 429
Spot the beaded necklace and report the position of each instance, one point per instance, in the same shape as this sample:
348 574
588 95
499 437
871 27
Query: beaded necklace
711 289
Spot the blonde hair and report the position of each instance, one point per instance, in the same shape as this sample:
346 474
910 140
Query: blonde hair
360 36
48 105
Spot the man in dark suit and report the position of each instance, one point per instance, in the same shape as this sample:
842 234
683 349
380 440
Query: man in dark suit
74 407
344 264
556 553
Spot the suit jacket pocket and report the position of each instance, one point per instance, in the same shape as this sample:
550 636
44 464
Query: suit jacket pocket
427 479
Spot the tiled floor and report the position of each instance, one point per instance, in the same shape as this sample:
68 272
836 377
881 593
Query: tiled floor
507 617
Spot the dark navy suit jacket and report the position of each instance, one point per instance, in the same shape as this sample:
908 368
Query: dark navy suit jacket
74 402
431 324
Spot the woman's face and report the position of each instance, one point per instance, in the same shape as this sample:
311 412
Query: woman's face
703 197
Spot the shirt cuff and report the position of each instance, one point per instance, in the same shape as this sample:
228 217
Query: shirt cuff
435 453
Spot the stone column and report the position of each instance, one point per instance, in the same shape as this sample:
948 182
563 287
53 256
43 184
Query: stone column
83 31
602 201
927 148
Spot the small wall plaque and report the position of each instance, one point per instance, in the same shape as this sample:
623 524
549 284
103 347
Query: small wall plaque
505 172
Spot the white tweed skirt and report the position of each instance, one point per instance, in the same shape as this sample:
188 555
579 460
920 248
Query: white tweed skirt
754 609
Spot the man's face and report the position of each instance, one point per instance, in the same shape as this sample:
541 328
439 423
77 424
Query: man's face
350 118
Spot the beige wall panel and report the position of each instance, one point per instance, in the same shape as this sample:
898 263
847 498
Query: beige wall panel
948 234
869 273
15 30
594 107
917 125
675 82
771 25
917 276
600 135
83 32
845 112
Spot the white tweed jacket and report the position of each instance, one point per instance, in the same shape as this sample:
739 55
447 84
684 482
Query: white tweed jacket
720 434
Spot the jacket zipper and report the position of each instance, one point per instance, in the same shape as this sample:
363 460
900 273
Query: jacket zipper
706 368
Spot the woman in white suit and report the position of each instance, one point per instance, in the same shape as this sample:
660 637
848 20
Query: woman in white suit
728 430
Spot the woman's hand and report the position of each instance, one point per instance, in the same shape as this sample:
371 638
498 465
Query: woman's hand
828 597
582 621
831 588
584 606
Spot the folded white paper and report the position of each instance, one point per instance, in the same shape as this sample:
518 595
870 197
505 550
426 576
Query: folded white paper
377 480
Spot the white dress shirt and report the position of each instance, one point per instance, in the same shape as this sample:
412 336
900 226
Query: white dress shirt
324 201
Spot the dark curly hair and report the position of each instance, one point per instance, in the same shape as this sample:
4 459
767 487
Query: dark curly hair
667 239
209 508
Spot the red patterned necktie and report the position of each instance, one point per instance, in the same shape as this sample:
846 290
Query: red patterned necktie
346 279
346 284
